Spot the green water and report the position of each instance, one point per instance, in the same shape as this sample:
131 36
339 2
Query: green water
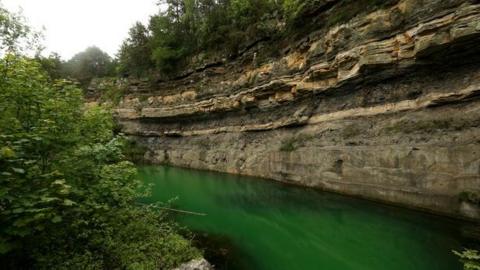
273 226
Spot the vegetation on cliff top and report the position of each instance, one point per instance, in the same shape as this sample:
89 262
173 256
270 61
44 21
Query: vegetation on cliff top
185 28
67 193
186 31
469 258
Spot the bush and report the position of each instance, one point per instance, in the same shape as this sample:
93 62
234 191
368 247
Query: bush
293 143
470 197
135 152
288 145
67 194
469 258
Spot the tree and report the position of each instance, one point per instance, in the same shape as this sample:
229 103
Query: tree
16 36
67 194
169 47
53 65
189 27
89 64
135 52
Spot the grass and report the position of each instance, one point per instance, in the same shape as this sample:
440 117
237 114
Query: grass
288 145
112 93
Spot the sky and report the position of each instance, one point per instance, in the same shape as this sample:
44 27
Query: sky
73 25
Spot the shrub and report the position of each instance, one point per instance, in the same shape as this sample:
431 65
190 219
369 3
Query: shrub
67 194
469 258
470 196
288 145
293 143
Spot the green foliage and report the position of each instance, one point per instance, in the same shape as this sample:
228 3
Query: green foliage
112 93
184 29
16 36
349 9
135 52
134 151
293 10
469 258
470 197
67 194
189 27
89 64
53 65
294 143
288 145
66 190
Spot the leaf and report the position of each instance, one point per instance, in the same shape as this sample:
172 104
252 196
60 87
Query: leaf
18 210
3 191
58 182
7 152
68 202
57 219
4 246
39 227
48 199
30 162
18 170
39 216
22 222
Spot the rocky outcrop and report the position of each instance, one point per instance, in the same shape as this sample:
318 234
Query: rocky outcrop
385 106
199 264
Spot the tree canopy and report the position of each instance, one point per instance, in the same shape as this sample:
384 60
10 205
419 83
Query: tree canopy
89 64
188 27
16 35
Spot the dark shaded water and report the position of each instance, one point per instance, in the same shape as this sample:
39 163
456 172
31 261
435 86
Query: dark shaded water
274 226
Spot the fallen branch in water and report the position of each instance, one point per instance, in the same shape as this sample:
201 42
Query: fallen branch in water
182 211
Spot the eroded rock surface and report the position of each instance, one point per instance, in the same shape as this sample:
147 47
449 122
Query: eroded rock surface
385 106
199 264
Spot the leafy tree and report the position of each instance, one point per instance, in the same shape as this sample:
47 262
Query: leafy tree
67 194
470 259
53 65
168 42
135 52
89 64
188 27
16 35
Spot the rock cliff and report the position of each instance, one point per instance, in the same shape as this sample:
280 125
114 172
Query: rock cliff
384 106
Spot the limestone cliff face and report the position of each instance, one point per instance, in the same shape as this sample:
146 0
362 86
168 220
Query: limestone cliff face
385 106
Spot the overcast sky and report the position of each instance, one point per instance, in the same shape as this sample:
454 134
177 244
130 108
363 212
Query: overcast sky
73 25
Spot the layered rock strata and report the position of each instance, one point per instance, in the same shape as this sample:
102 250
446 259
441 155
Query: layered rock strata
385 106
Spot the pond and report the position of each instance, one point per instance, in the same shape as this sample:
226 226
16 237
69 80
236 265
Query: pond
270 225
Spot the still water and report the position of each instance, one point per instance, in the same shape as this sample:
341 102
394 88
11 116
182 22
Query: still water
275 226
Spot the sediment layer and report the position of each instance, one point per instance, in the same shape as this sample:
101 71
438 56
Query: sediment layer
385 106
